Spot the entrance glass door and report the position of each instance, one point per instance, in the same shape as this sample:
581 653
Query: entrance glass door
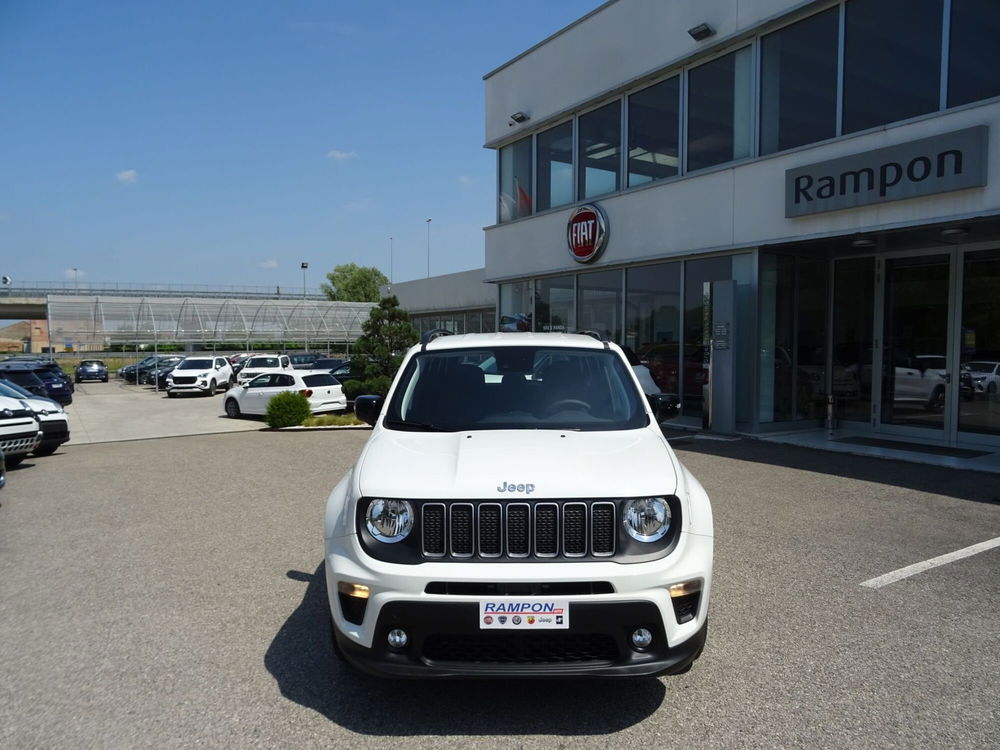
916 361
979 348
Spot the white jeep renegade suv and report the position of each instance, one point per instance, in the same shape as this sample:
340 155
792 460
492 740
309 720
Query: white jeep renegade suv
200 374
517 512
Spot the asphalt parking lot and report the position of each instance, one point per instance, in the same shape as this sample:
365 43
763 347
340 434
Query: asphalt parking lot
168 593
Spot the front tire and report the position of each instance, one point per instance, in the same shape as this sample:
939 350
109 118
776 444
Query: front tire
232 408
13 461
48 450
211 388
171 394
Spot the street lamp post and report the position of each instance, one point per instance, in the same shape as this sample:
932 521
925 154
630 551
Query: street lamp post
428 248
390 259
306 326
76 280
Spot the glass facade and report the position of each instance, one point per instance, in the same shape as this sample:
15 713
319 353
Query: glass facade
599 151
555 166
972 70
515 180
555 304
653 320
892 61
600 303
719 110
796 90
980 344
457 321
798 99
853 340
515 306
653 137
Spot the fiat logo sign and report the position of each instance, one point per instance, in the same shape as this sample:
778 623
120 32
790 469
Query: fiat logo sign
587 233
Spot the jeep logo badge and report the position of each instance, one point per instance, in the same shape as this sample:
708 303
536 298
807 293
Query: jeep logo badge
527 489
587 233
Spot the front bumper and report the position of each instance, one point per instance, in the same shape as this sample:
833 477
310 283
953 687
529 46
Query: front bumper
445 639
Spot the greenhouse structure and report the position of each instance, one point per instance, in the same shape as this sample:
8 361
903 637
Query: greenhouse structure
102 323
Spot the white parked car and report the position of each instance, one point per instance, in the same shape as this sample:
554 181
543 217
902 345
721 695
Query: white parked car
261 363
535 525
319 387
200 374
19 430
49 414
985 376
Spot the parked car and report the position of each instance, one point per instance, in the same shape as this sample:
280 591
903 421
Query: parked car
51 417
304 360
26 379
261 363
168 363
200 374
320 388
985 376
328 363
39 363
55 387
539 526
127 372
19 431
158 375
3 471
91 369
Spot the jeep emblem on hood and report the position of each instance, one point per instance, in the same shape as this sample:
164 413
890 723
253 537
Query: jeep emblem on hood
511 487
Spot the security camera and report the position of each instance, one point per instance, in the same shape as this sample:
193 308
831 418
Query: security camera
518 117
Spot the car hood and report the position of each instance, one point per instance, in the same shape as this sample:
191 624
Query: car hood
536 463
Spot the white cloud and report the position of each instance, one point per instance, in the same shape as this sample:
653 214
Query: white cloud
269 263
73 275
128 176
338 155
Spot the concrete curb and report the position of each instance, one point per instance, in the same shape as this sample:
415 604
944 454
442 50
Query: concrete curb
300 428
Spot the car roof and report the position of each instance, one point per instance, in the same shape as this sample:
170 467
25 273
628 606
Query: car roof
473 340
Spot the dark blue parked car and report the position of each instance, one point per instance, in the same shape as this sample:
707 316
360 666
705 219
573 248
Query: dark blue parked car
55 387
91 369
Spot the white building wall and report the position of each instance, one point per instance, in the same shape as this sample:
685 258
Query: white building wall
741 206
465 290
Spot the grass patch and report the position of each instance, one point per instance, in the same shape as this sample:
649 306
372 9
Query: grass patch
333 420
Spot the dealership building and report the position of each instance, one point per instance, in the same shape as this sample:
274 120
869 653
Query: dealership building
789 210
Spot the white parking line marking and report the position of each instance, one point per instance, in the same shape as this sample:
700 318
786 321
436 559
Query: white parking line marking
920 567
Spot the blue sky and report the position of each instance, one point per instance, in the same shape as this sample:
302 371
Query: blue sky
225 141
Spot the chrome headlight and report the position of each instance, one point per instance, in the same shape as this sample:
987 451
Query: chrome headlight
389 521
647 519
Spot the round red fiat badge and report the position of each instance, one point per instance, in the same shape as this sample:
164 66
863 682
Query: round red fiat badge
587 233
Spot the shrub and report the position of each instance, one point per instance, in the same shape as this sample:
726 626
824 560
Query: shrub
287 410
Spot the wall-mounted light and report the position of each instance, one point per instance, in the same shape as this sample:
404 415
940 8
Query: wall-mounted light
953 234
518 118
701 32
863 242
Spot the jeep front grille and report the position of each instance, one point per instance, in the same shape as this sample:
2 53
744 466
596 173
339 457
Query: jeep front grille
518 530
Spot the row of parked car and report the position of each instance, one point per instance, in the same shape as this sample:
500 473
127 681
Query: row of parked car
40 376
29 424
250 380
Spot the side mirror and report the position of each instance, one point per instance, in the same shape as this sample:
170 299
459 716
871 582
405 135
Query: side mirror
368 408
665 405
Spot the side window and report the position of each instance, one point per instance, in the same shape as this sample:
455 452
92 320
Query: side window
220 363
285 362
262 381
284 380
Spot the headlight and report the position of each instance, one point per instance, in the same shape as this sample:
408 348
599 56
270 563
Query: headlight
646 519
389 521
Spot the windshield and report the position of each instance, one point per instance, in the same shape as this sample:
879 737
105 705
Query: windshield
195 364
261 362
520 388
319 379
10 390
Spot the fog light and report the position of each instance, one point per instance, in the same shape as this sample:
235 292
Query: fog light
397 638
684 589
353 589
641 638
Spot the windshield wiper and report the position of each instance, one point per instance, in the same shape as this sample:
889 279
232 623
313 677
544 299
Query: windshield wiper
417 425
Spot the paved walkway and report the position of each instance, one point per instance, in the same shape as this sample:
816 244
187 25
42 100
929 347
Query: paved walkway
107 412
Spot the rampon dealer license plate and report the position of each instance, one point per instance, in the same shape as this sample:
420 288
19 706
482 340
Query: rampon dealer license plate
511 614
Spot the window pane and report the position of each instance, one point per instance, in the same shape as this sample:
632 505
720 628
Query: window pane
601 303
979 384
719 110
653 301
798 103
600 151
973 73
853 321
555 166
555 304
777 326
515 306
652 132
515 180
892 61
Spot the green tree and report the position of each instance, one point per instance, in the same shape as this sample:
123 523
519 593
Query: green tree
353 283
379 352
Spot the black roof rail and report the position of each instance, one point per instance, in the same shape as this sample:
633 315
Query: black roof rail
428 336
596 335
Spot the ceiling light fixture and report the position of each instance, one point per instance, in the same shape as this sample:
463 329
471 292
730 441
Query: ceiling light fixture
863 242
